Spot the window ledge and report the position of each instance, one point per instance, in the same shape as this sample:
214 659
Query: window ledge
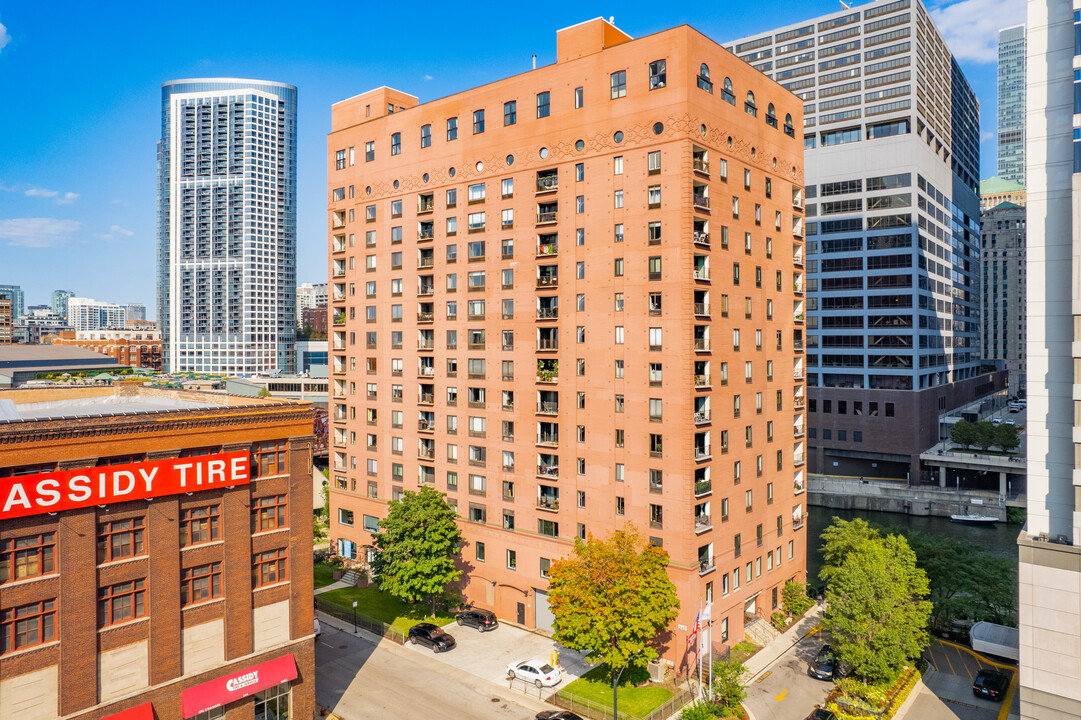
196 546
260 533
123 624
270 586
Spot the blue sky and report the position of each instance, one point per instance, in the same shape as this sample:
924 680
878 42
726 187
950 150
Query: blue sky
80 100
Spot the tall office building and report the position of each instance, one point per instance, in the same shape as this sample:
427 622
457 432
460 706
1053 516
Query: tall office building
90 314
135 312
60 301
311 296
14 293
573 299
891 130
5 321
1011 104
227 226
1050 544
1003 290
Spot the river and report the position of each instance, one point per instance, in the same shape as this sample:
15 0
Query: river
1001 539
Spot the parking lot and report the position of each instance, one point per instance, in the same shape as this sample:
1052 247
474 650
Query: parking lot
785 691
486 656
947 686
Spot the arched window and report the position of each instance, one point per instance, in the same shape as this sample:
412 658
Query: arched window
771 116
749 106
728 95
703 78
788 129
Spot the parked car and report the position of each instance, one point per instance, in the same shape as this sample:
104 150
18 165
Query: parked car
480 619
996 420
1009 421
822 714
431 636
990 684
537 672
557 715
824 665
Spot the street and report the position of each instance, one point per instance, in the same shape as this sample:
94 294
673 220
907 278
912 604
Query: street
785 691
357 678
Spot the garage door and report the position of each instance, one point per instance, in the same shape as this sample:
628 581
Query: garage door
542 614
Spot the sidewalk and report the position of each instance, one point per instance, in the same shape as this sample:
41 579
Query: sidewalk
764 658
333 586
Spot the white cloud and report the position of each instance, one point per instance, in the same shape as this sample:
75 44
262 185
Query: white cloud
427 77
986 135
122 231
37 232
59 198
970 27
4 37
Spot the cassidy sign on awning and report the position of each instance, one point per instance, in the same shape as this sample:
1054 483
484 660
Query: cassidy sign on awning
237 685
69 489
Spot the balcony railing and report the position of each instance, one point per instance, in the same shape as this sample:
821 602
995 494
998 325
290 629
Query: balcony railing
551 439
424 317
547 503
547 313
702 238
701 381
702 487
797 459
702 452
700 165
701 201
550 379
426 290
705 566
701 344
548 248
426 262
548 281
425 426
701 273
702 523
426 371
548 344
549 471
548 408
544 218
427 399
701 417
547 183
425 234
425 345
424 454
426 207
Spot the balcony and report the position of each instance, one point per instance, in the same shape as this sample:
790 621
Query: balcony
547 217
548 248
426 290
701 309
425 262
700 165
425 317
548 471
701 201
425 371
425 206
701 344
548 408
546 281
702 238
425 345
702 452
701 273
705 566
702 523
423 235
548 439
547 183
797 459
701 381
426 399
425 426
547 313
702 417
545 344
702 487
548 503
426 454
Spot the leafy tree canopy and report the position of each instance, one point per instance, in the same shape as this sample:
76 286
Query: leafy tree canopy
418 543
612 597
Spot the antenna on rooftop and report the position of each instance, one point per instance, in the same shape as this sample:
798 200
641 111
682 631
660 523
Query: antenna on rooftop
845 5
534 61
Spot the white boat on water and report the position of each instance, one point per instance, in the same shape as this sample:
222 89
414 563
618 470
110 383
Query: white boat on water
974 519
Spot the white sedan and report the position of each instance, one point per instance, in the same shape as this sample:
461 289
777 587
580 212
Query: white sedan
537 672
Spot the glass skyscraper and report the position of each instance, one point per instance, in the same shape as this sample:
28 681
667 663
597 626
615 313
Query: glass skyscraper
1011 104
227 226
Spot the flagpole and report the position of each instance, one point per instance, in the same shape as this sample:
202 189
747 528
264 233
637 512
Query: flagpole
698 642
710 641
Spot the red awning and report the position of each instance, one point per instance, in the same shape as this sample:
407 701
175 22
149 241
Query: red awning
139 712
237 685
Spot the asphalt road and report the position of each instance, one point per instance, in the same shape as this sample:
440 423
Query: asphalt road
946 690
357 679
786 691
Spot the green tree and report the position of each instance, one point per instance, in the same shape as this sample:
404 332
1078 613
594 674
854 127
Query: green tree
612 597
263 392
963 433
794 598
877 608
842 538
985 435
418 543
728 688
1006 437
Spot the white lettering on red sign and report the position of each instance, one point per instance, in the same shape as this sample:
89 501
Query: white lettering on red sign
69 489
242 681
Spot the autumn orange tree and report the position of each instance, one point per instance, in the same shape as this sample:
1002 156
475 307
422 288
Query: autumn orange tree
612 597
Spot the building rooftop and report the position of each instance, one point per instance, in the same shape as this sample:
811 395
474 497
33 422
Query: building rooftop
36 355
996 185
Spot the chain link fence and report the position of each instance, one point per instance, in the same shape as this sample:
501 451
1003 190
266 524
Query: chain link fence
363 621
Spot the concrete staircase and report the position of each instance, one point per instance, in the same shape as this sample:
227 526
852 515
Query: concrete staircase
349 577
758 630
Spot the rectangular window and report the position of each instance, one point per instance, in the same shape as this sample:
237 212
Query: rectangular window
452 129
543 104
199 525
269 458
27 625
510 113
199 584
27 557
268 513
478 122
578 97
122 602
396 143
657 74
369 151
120 539
425 136
619 84
270 567
654 159
617 165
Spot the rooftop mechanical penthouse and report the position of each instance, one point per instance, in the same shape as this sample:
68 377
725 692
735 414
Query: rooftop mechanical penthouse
573 299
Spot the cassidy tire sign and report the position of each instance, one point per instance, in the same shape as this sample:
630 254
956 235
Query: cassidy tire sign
51 492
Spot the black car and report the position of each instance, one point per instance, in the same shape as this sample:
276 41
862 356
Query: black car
557 715
990 684
480 619
431 636
822 714
824 666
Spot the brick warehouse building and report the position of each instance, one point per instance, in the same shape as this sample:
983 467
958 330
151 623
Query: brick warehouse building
137 347
573 299
191 601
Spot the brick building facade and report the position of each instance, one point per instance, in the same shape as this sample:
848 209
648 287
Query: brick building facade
164 605
138 347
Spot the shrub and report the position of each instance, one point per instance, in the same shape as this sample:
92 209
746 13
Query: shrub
778 620
794 598
699 710
728 688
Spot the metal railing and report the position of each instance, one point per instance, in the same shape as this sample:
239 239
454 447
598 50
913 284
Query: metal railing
701 201
547 182
547 217
547 313
702 452
548 407
701 273
701 381
363 621
548 281
703 487
548 248
700 164
701 417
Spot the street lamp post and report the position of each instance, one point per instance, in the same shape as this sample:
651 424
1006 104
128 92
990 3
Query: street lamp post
615 692
354 617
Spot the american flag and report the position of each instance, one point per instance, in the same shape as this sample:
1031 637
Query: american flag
694 630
